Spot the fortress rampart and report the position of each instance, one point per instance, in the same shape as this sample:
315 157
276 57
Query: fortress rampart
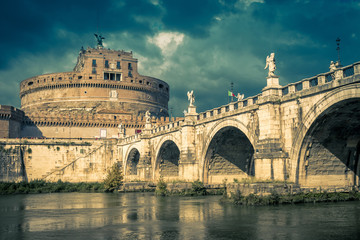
104 90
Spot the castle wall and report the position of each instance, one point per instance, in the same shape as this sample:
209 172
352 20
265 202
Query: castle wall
53 160
11 164
10 121
73 132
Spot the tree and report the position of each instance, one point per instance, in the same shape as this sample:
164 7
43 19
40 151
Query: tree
114 178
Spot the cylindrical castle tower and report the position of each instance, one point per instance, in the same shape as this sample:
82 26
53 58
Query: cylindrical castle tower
104 90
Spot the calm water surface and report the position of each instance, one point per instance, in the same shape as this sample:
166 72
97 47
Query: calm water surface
144 216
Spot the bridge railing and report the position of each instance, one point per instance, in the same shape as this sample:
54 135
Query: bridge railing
304 84
131 138
169 126
231 107
321 79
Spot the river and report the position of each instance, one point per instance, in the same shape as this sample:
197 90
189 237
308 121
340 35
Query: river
145 216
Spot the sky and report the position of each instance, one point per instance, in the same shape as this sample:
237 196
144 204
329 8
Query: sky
200 45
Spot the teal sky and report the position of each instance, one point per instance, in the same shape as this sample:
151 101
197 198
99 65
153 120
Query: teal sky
200 45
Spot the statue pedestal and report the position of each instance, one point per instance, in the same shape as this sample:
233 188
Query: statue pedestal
273 81
191 111
148 125
273 87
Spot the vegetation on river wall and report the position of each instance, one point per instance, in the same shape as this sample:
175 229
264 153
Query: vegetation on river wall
195 188
41 186
302 197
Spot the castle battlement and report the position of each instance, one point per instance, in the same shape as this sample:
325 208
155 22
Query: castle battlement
104 86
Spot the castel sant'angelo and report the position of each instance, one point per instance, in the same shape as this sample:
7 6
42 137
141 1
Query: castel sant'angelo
103 96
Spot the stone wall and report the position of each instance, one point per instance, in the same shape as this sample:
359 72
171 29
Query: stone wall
11 164
10 121
53 160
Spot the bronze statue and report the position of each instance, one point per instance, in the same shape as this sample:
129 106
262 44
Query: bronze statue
99 39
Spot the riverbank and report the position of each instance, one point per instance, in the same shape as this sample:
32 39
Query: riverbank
41 186
259 194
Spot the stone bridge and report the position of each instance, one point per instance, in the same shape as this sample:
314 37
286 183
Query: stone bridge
307 132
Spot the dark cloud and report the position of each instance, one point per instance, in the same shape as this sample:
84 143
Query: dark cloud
194 17
223 41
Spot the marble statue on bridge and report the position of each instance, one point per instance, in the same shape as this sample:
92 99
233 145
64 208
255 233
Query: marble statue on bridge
147 116
240 97
270 63
191 97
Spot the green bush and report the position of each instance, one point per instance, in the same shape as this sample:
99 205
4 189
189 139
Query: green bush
161 187
41 186
114 178
198 188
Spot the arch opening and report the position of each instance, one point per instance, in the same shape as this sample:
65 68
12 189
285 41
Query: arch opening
329 154
168 161
230 156
132 162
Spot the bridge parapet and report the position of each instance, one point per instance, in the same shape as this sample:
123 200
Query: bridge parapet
321 79
168 127
232 108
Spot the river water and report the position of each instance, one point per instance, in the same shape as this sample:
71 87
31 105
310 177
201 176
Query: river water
145 216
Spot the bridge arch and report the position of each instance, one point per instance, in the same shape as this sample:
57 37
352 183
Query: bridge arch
227 153
327 143
132 160
167 156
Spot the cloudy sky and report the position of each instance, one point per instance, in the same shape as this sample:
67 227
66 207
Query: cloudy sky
200 45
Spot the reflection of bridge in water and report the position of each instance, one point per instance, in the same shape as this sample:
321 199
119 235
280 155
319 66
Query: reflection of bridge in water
307 132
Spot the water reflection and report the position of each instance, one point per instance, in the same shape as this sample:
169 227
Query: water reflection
144 216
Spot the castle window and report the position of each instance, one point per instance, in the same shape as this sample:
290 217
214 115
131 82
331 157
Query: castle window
112 76
118 77
107 63
130 74
30 83
94 70
129 66
161 86
140 81
94 62
132 81
106 76
167 89
90 77
79 77
114 117
60 78
147 83
118 65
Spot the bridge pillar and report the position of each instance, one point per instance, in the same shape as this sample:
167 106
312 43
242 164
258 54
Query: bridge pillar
188 166
269 158
144 166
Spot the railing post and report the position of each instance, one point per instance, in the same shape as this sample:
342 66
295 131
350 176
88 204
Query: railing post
291 88
306 84
357 68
